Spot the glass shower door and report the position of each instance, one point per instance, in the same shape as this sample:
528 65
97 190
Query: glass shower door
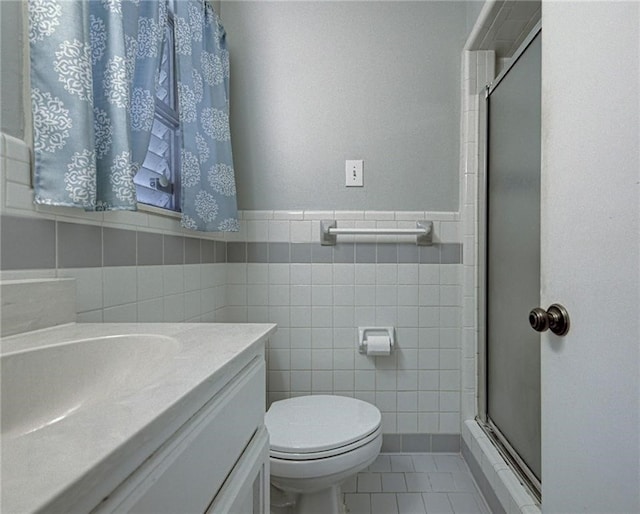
513 259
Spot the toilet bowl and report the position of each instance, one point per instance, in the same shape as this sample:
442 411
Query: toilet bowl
316 443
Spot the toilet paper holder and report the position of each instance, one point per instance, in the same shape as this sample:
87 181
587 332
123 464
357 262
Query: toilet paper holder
365 332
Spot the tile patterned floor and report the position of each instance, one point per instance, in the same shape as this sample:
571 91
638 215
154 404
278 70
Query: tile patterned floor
416 483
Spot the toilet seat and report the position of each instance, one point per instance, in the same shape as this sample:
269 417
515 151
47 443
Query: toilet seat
322 426
326 453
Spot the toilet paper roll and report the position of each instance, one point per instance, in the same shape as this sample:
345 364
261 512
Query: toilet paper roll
378 345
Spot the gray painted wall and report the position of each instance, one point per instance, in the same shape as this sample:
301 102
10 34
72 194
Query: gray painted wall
473 11
11 68
315 83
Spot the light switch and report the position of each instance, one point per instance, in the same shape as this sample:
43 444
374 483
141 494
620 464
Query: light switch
354 170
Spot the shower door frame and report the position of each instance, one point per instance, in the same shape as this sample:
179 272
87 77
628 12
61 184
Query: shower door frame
493 432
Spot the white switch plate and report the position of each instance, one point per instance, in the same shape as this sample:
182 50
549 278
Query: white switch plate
354 173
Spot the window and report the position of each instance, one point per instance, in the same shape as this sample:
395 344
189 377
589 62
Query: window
158 180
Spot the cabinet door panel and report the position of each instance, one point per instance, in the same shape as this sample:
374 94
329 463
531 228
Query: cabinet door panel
190 468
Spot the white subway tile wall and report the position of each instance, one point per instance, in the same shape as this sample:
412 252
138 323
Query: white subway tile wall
319 301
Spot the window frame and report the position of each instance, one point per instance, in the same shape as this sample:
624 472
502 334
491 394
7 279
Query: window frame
168 114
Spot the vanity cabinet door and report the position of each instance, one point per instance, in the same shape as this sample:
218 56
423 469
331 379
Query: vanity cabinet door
189 470
246 490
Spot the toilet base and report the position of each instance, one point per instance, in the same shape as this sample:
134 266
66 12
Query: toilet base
326 501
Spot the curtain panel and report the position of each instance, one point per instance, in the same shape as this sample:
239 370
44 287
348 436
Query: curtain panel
208 179
94 70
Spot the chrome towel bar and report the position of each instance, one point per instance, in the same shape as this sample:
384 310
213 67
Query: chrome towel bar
329 231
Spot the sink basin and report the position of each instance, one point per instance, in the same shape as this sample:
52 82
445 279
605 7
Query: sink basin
45 385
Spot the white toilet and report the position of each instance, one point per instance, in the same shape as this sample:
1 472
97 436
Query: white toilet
317 442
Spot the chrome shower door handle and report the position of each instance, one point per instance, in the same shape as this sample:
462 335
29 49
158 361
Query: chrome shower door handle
555 318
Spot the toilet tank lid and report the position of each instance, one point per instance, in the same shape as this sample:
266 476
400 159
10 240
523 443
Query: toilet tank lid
309 424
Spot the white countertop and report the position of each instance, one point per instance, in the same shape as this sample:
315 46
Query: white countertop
71 463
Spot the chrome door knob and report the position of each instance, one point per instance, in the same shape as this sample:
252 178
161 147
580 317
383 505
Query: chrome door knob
555 318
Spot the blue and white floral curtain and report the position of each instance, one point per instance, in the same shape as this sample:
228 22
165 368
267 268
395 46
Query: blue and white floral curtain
94 66
93 74
208 180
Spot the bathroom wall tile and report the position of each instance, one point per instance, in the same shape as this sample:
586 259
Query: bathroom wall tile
79 246
279 295
321 274
88 287
321 338
119 286
387 253
119 247
257 215
449 422
150 248
428 295
173 250
321 254
257 295
451 253
343 316
365 274
174 308
192 277
150 282
343 295
300 231
451 275
90 317
365 252
322 295
301 252
301 381
257 273
279 231
321 381
300 295
192 250
236 273
428 422
388 296
288 215
430 254
120 314
257 230
450 295
151 311
257 252
207 251
408 253
428 275
279 274
220 249
236 252
236 295
172 279
18 197
279 252
27 243
300 317
344 274
344 253
386 274
344 337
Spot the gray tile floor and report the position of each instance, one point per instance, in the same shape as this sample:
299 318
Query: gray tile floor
414 483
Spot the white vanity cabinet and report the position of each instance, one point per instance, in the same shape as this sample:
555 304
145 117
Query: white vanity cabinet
217 462
150 418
